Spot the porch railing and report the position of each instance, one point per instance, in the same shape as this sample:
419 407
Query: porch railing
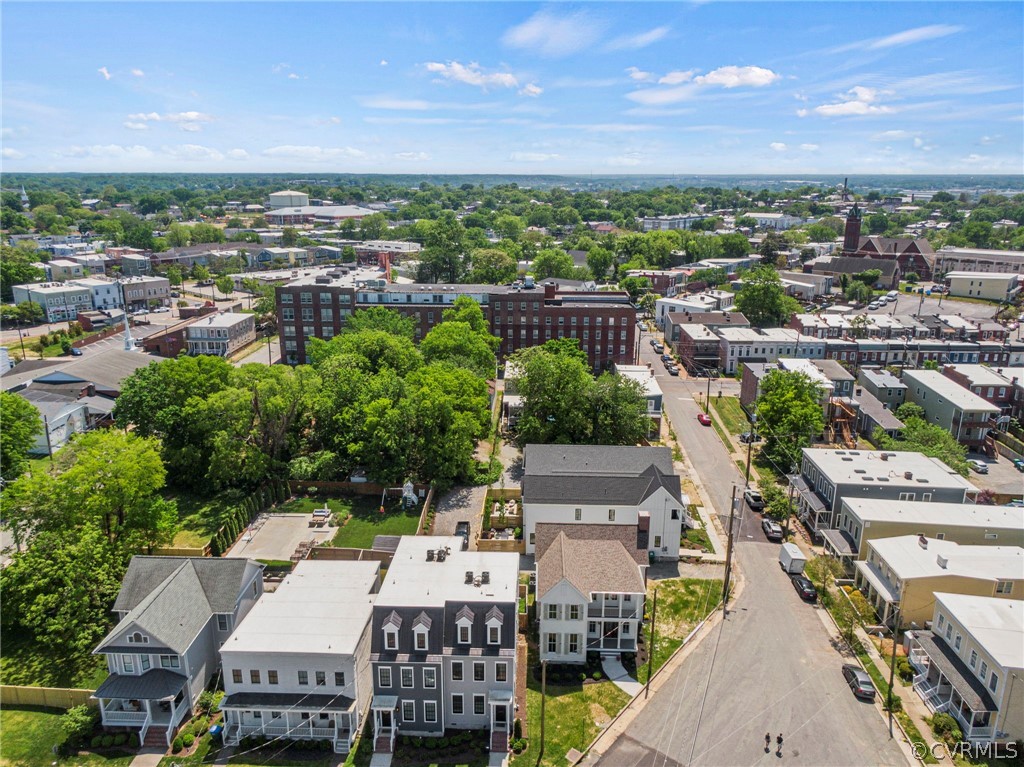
120 717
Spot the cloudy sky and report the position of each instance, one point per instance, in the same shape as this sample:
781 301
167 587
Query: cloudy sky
514 87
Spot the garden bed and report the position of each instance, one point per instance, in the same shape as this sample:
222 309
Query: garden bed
461 747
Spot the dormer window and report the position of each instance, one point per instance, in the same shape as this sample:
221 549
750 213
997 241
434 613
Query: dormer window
391 625
421 631
138 638
494 621
464 623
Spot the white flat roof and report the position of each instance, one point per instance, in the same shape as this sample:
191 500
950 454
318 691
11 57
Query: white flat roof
867 467
808 368
639 373
929 512
909 559
996 624
222 320
956 394
413 581
981 375
322 607
997 276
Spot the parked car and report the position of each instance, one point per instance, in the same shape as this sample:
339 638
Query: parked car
673 370
140 313
659 348
654 342
76 352
161 310
175 294
462 530
772 530
749 436
859 681
874 305
704 418
979 466
753 499
1018 464
666 357
805 588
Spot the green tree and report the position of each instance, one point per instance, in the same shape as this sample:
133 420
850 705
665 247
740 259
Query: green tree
599 261
552 263
569 347
931 439
379 349
289 237
200 272
373 227
492 266
444 255
619 410
458 344
734 245
31 313
174 276
509 227
909 410
20 424
16 269
635 286
770 247
225 285
380 318
857 291
555 391
763 300
789 414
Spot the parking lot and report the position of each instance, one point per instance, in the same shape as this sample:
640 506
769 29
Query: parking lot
912 304
1002 477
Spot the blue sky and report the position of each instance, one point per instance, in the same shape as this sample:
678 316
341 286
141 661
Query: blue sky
514 87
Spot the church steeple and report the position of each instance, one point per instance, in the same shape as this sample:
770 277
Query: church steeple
851 238
24 195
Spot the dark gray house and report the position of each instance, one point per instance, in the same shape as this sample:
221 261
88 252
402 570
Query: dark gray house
443 642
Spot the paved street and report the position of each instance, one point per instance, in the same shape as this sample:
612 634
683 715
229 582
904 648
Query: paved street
770 667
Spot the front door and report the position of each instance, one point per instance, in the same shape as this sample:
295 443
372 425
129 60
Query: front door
501 717
385 720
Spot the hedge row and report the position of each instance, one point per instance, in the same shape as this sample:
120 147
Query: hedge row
237 518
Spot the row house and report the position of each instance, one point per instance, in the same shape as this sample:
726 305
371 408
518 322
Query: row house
60 301
298 665
967 663
738 345
995 386
174 613
220 335
633 487
826 477
952 259
590 596
900 575
959 411
665 283
144 291
443 642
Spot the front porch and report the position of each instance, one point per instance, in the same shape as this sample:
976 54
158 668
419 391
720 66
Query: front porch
156 701
385 728
811 508
879 592
293 716
612 636
947 685
500 703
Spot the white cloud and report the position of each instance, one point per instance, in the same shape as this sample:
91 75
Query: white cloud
313 153
778 146
383 62
917 35
186 121
810 147
859 100
728 77
531 89
138 73
411 156
386 102
192 153
293 76
893 135
108 152
279 68
635 73
637 41
735 77
802 113
9 153
553 36
237 154
105 72
472 74
677 77
985 140
531 156
628 160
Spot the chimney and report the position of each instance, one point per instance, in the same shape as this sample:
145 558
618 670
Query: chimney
922 542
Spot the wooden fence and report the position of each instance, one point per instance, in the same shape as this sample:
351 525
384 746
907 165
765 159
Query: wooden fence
181 551
519 547
333 554
357 488
421 529
48 697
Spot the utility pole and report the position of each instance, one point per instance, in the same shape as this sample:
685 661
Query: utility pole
49 445
650 650
892 667
785 532
543 699
750 447
707 401
728 554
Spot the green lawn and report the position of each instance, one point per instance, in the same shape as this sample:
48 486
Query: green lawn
199 517
363 519
29 735
25 662
574 715
682 604
732 415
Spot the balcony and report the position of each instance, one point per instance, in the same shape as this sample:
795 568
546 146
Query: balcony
122 718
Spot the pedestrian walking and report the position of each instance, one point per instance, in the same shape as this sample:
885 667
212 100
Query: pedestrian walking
767 742
778 743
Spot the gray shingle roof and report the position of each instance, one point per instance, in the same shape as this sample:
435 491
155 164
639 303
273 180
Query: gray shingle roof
297 701
625 534
610 488
156 684
172 598
590 566
604 460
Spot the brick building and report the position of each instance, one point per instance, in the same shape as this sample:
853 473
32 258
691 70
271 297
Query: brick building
317 305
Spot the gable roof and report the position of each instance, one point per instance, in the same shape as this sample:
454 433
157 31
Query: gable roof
560 460
610 488
627 535
172 598
589 566
856 265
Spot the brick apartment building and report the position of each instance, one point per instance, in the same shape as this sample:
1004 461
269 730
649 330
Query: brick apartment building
317 305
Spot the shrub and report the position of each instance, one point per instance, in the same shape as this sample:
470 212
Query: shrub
120 739
108 741
133 740
97 741
517 728
78 723
904 669
945 727
897 703
188 739
418 741
205 702
597 675
430 743
442 743
176 745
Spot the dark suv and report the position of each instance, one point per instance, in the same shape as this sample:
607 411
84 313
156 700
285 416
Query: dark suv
462 530
805 588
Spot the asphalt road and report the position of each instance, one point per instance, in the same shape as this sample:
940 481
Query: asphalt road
770 667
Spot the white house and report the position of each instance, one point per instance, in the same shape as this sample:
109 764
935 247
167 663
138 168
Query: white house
738 345
605 485
590 597
174 614
106 294
62 417
298 666
220 334
993 286
971 664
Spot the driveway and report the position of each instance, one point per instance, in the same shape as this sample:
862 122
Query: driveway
771 666
463 504
1002 477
